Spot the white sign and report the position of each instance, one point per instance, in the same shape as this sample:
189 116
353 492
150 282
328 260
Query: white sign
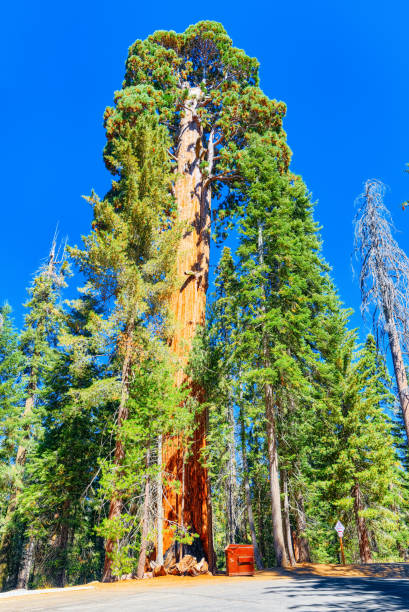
339 528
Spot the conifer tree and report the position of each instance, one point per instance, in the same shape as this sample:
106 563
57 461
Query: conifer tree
281 282
127 424
11 400
281 291
366 486
38 344
60 496
228 412
205 93
128 261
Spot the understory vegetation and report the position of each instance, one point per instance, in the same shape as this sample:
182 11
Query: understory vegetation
116 405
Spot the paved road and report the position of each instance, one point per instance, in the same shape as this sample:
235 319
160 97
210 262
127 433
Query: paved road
301 595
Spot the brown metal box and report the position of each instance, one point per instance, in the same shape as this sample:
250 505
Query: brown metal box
239 560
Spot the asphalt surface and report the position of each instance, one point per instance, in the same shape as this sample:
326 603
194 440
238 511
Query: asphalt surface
301 595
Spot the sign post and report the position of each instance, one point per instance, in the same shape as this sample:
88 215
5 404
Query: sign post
339 528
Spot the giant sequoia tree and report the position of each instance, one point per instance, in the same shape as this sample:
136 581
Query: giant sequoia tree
205 93
120 410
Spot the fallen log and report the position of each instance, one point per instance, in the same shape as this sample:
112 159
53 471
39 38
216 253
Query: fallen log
185 564
148 575
159 570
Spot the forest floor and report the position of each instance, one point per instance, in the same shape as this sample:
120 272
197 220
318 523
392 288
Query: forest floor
354 588
309 570
300 571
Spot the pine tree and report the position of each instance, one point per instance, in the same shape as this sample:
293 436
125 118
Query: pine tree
60 496
11 400
281 289
128 261
366 485
228 420
281 292
38 344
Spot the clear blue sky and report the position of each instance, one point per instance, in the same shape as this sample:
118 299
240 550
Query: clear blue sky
341 66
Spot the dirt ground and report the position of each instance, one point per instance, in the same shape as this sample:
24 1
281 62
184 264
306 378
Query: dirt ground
375 570
299 572
302 570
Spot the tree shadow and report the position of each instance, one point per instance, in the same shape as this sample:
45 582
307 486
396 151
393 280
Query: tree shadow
360 594
375 570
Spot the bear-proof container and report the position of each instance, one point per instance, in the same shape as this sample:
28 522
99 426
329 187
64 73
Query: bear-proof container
239 560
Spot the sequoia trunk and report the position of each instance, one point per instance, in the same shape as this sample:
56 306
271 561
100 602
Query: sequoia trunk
187 307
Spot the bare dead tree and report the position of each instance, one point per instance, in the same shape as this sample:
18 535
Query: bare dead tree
145 520
384 281
159 505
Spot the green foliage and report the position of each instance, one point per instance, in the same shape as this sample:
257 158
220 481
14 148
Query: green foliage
156 407
11 400
366 454
87 391
60 497
332 403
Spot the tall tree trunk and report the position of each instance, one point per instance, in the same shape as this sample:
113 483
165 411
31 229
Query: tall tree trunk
363 538
60 575
287 522
187 306
304 555
145 522
250 516
28 409
62 545
26 565
260 525
27 559
278 534
115 507
393 336
159 506
232 482
399 368
182 504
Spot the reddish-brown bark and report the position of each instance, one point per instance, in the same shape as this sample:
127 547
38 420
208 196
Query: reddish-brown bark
301 545
187 307
363 537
